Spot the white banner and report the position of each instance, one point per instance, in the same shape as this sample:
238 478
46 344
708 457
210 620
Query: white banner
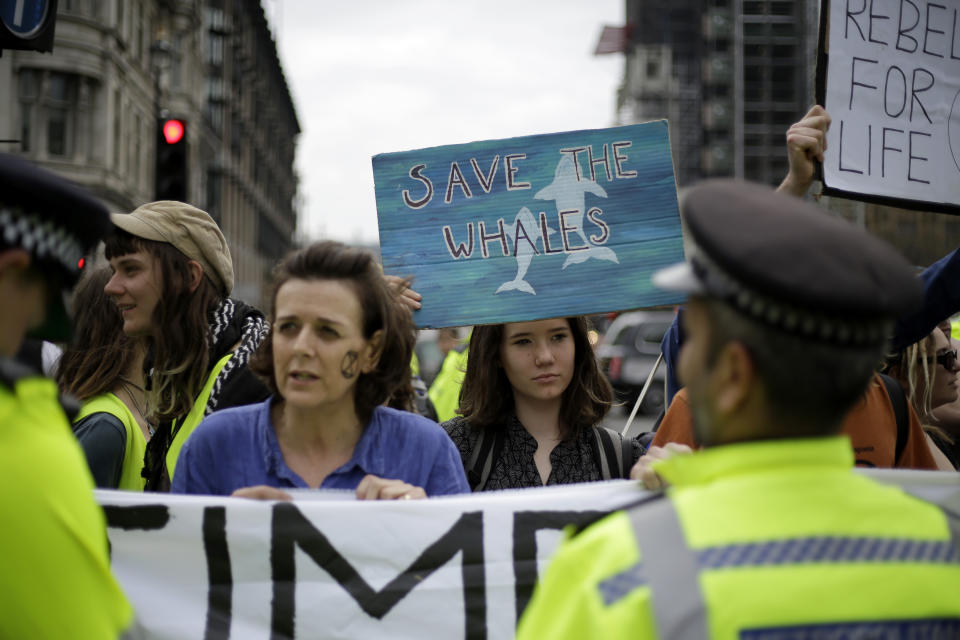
327 567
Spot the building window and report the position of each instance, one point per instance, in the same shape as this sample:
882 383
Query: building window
117 129
57 133
137 40
25 129
61 100
27 92
55 112
213 193
85 8
135 150
653 63
213 109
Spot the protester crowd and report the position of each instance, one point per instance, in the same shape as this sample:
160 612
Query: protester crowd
173 385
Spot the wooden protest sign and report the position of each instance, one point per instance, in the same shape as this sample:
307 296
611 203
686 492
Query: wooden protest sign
889 75
531 227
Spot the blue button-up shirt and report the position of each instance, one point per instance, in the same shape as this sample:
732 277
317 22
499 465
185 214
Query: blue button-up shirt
238 447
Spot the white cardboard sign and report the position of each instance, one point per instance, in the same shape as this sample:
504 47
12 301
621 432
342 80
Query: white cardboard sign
892 88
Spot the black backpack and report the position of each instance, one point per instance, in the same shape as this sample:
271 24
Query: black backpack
611 451
899 401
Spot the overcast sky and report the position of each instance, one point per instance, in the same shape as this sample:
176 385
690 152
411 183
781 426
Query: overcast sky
373 76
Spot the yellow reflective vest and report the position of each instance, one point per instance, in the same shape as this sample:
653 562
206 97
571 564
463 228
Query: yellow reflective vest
758 540
55 575
131 478
445 390
195 416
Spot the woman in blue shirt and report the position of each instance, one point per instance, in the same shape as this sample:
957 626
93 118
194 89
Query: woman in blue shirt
340 345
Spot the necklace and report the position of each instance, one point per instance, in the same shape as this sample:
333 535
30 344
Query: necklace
142 410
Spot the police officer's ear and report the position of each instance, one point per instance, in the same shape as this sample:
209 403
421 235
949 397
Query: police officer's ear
13 261
734 378
196 275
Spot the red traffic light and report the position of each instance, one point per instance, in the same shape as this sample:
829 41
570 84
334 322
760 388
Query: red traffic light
172 131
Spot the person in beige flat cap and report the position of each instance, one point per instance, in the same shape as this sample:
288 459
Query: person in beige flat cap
172 278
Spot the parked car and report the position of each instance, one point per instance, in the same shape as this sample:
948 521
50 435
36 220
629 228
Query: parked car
627 353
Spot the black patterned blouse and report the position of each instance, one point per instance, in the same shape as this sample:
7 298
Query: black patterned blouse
572 460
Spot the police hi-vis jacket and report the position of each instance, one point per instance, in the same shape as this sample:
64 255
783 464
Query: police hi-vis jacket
55 575
774 539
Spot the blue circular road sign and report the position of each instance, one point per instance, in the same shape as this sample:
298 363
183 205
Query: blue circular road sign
24 18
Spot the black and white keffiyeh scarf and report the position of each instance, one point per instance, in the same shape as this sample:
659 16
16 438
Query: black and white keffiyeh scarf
233 321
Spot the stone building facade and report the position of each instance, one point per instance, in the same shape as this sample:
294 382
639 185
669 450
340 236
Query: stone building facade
90 111
731 76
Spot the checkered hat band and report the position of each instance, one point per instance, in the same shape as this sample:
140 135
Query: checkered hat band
41 237
786 317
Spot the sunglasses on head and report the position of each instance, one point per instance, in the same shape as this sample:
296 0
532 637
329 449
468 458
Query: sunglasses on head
947 359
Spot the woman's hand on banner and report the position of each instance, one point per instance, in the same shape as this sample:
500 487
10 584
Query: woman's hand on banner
377 488
262 492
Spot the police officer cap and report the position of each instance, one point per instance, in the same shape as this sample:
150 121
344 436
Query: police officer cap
788 264
54 221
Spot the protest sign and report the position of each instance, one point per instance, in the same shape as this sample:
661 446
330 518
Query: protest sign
452 567
322 567
889 76
531 227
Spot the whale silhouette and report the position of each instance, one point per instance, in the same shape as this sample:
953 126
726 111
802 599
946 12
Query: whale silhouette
524 250
568 192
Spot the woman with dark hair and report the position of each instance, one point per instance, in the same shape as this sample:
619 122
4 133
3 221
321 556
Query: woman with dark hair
532 393
104 368
172 278
340 346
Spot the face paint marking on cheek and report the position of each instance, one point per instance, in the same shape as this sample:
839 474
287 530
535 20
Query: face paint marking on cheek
350 364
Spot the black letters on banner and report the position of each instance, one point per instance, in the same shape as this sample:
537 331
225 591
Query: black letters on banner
525 527
290 529
146 517
220 576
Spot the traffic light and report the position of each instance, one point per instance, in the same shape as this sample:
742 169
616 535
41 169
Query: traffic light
27 24
171 180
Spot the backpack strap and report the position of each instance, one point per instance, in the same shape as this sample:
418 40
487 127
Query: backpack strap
626 456
646 438
613 452
899 401
487 449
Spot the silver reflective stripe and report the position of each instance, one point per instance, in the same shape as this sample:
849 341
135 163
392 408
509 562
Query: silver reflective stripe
827 550
616 587
670 569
